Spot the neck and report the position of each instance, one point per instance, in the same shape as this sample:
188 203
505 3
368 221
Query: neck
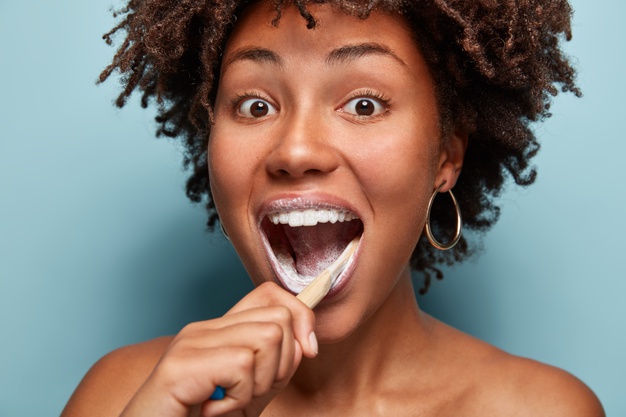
373 357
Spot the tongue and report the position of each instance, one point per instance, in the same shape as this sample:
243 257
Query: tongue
316 247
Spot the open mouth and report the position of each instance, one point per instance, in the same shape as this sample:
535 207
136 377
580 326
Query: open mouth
302 243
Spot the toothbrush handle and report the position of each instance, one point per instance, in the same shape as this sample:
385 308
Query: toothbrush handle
313 293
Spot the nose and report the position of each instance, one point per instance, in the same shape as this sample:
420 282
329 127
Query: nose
302 148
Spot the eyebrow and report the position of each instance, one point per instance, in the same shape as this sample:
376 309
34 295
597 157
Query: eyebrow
260 55
341 55
349 53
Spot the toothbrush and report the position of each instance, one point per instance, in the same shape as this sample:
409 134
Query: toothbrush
313 293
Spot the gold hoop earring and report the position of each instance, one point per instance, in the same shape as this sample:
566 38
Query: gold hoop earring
224 232
429 233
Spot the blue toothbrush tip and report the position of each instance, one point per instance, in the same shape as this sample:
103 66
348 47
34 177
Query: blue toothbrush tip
218 394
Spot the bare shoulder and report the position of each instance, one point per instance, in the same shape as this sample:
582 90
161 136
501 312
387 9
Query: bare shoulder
529 388
113 380
495 382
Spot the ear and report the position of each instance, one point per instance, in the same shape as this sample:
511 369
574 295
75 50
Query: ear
451 160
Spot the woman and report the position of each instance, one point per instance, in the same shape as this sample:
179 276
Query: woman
307 126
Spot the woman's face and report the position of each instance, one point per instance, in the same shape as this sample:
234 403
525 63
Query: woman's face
317 127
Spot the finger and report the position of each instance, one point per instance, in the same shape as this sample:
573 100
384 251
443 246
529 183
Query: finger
238 384
239 329
265 339
191 375
268 294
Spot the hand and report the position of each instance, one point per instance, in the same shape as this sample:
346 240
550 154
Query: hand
252 351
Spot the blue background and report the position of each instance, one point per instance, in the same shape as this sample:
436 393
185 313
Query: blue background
100 248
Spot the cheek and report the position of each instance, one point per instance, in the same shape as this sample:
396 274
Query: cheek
394 168
397 172
230 171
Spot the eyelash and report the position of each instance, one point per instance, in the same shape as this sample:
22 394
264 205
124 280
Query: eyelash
370 94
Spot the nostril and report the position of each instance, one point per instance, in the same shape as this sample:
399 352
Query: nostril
314 171
308 172
303 159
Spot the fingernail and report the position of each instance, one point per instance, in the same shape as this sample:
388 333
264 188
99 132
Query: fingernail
313 342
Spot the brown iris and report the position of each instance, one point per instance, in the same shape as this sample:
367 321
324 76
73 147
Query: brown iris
364 108
259 108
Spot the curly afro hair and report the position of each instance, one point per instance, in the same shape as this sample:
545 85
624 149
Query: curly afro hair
496 66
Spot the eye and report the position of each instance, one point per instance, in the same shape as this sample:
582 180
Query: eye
255 108
364 107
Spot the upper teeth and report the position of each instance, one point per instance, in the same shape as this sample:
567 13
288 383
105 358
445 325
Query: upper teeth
311 217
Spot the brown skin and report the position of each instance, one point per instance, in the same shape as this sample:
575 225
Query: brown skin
495 383
379 354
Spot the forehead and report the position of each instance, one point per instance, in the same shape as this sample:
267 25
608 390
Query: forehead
334 29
